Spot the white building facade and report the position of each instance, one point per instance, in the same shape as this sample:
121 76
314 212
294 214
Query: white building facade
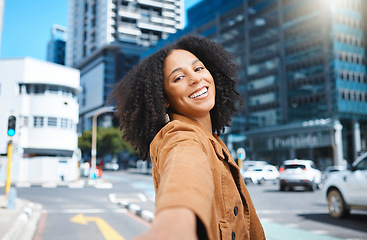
43 97
106 38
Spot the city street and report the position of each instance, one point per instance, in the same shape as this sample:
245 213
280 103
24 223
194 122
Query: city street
87 212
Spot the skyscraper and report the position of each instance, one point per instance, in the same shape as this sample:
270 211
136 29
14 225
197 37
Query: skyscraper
303 74
57 44
107 37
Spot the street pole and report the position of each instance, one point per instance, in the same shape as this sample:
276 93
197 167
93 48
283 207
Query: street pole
94 146
94 139
8 172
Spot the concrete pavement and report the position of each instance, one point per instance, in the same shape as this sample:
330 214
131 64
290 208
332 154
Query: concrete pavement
19 223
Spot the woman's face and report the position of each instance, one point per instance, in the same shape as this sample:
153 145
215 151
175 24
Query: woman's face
188 85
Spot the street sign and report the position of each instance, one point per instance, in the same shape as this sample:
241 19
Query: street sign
241 153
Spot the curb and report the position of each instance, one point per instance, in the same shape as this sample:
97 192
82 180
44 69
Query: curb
132 208
25 225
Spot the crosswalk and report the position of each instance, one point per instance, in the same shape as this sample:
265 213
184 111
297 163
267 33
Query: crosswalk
100 184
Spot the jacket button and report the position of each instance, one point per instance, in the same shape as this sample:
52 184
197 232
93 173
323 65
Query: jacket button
235 210
233 236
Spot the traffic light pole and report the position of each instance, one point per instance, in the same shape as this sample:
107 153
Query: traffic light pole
8 175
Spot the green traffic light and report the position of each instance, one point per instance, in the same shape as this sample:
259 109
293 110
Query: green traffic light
11 132
11 125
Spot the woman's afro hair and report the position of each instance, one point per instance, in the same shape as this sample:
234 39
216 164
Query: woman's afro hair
140 99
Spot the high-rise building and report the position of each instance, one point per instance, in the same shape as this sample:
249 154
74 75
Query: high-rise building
303 75
57 44
107 37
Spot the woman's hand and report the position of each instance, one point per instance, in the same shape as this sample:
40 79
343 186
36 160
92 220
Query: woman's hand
172 224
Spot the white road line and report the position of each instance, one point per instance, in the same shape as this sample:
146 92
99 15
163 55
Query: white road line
142 197
77 210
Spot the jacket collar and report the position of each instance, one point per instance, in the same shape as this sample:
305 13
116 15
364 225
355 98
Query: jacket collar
219 146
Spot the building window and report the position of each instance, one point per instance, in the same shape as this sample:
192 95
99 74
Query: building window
39 89
24 121
52 122
64 123
53 90
38 121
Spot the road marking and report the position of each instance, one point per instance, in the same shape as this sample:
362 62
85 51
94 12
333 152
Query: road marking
76 210
41 226
96 210
107 231
104 185
142 197
275 231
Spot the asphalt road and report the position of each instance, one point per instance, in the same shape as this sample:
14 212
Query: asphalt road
83 213
87 213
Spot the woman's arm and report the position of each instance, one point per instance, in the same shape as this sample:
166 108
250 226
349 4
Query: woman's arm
177 223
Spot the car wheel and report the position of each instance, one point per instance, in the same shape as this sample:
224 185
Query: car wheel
312 187
336 204
261 181
282 187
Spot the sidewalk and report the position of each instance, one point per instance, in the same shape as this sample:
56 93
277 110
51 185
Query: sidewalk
19 223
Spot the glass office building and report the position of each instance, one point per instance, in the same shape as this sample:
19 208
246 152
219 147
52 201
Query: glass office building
106 39
57 44
303 75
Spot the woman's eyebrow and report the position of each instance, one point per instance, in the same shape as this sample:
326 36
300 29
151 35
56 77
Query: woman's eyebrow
179 68
175 70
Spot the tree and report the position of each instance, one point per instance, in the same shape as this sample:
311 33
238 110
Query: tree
108 142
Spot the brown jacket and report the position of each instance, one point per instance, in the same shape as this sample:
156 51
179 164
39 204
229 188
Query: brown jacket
193 168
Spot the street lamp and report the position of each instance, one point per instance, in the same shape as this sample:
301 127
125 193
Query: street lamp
94 138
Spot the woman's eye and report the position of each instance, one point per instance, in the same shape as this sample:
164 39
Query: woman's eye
199 68
177 79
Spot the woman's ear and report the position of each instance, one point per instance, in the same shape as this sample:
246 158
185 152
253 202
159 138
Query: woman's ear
167 104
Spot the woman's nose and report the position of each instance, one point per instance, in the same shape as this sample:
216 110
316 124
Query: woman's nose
195 78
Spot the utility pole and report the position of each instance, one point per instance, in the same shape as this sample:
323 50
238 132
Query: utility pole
94 139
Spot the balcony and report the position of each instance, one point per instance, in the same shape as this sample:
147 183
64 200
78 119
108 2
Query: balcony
151 3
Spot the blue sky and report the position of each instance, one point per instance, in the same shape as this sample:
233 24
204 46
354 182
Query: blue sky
27 26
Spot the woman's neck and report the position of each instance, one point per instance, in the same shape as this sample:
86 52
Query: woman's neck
205 122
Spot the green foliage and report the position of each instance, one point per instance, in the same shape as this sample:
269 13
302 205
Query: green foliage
108 142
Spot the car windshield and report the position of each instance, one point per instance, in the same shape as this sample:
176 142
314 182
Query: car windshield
294 166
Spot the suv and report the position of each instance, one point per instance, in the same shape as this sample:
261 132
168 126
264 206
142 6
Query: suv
298 172
346 190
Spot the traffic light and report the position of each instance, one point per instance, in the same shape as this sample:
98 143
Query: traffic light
11 125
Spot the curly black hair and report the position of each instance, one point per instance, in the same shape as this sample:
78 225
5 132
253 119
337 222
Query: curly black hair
140 98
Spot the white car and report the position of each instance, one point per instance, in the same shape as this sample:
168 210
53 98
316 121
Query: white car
260 174
346 190
251 163
298 172
333 169
111 166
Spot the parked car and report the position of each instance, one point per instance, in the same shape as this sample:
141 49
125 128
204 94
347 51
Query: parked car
346 190
332 169
114 166
250 163
261 174
299 172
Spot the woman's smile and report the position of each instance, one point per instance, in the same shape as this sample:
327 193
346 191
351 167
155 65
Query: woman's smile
200 93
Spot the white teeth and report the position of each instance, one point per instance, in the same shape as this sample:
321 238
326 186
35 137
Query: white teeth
201 92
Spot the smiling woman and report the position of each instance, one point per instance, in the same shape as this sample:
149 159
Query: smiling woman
200 193
189 87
